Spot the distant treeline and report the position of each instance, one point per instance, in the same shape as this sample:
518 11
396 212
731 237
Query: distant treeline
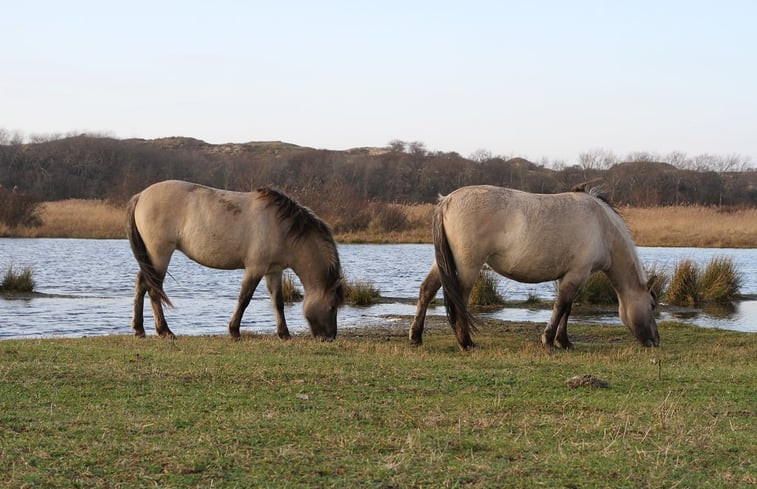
106 168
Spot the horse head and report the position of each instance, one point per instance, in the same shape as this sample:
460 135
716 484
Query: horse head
320 308
637 313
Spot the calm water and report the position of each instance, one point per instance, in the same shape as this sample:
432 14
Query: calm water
90 286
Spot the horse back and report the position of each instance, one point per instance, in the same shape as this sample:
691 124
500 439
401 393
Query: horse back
216 228
524 236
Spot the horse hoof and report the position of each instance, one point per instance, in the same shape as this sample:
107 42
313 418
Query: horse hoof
139 334
547 342
416 341
566 345
285 337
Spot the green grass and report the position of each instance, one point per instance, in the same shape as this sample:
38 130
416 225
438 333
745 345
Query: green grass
375 412
18 281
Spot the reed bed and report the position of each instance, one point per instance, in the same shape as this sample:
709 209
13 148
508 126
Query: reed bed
75 218
697 226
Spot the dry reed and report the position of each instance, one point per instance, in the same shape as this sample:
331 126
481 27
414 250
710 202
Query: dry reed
75 218
696 226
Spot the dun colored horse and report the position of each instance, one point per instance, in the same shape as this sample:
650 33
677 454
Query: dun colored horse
533 238
263 232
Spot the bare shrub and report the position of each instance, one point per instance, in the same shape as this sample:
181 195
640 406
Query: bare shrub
388 218
18 209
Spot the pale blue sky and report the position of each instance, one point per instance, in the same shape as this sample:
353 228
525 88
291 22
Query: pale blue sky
536 79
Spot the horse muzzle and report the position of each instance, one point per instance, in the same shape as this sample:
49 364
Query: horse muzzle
651 342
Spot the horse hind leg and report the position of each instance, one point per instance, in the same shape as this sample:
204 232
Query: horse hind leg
161 326
429 288
273 284
137 321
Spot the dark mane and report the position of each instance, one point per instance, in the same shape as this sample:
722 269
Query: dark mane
302 223
595 191
302 220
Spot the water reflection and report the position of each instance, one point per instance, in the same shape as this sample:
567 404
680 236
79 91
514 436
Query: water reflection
90 286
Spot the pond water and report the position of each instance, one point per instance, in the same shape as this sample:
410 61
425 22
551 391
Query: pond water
89 286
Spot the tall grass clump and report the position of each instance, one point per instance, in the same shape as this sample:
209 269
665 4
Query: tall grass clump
290 291
720 282
485 291
684 285
361 293
597 290
18 281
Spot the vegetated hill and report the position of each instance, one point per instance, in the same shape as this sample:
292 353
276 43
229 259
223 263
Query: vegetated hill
108 168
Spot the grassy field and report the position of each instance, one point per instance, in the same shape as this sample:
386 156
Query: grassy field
660 226
368 410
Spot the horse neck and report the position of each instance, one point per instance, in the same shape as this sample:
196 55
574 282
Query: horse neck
312 261
626 273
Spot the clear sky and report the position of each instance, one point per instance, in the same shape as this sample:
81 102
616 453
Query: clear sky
523 78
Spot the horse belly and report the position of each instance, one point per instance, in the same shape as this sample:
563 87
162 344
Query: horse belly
214 248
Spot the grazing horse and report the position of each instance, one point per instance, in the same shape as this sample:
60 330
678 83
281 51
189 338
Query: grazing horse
533 238
263 232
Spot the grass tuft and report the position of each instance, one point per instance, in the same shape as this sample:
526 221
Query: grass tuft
597 290
684 285
485 291
720 282
18 281
361 293
289 289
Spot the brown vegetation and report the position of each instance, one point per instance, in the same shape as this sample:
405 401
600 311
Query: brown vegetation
105 168
695 226
74 218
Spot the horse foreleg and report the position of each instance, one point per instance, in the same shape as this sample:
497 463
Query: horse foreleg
273 284
562 330
137 321
249 284
557 328
430 286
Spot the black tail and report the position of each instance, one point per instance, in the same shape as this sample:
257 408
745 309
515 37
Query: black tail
454 302
152 280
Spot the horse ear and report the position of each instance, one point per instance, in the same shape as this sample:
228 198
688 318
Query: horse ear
651 281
